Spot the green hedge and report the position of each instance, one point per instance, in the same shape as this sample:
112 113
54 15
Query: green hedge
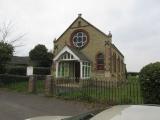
21 70
150 83
132 73
41 71
2 69
17 70
7 79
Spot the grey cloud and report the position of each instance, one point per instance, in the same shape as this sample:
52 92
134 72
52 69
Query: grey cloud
134 24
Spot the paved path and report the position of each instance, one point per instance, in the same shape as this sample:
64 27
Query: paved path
19 106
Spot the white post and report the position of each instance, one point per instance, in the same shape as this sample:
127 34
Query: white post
29 70
57 63
81 70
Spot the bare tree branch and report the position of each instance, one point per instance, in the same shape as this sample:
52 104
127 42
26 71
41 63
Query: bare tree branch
18 45
5 32
17 39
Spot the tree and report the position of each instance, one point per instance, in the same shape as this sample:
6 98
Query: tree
6 53
8 35
7 41
40 56
150 83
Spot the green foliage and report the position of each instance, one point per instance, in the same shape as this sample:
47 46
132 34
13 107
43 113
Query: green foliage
132 73
41 71
21 70
8 79
2 69
150 83
14 82
17 70
6 52
40 56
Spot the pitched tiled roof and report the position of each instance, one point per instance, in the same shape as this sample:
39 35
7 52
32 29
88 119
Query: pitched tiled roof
19 60
79 54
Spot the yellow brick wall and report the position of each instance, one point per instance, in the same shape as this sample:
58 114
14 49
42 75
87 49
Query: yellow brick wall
96 45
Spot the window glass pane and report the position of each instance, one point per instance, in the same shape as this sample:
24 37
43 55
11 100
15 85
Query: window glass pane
89 71
59 69
100 61
83 71
84 39
62 70
79 39
75 39
79 44
79 34
64 56
100 56
71 56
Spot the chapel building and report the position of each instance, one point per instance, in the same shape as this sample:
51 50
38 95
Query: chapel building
83 51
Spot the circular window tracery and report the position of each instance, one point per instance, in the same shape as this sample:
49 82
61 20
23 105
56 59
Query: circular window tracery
79 39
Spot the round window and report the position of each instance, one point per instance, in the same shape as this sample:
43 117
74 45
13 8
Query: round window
79 39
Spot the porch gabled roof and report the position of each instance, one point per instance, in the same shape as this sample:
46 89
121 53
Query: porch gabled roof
76 53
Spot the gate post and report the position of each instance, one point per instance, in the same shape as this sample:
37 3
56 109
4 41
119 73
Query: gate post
32 84
49 85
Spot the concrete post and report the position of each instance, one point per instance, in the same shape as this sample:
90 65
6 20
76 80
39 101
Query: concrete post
32 84
49 85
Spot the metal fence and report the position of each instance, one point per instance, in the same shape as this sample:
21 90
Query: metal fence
17 83
113 92
92 90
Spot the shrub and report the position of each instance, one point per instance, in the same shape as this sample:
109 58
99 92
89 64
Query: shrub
40 56
150 83
132 73
41 71
17 70
21 70
2 69
7 79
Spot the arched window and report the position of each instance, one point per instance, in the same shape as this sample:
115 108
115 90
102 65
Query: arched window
119 65
79 38
114 62
100 61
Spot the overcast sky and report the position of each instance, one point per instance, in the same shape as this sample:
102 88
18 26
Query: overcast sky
134 24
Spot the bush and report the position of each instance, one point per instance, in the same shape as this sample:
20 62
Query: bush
150 83
41 71
7 79
21 70
17 70
2 69
132 73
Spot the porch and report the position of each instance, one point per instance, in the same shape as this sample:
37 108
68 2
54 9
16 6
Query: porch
70 63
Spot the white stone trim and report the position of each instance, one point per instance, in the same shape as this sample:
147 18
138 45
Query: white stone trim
81 69
57 64
66 49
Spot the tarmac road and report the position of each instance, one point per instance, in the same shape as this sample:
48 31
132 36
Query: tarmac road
19 106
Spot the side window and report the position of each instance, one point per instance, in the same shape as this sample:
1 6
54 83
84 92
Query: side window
100 61
114 62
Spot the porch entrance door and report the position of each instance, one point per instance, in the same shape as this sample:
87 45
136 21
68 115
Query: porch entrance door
77 71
